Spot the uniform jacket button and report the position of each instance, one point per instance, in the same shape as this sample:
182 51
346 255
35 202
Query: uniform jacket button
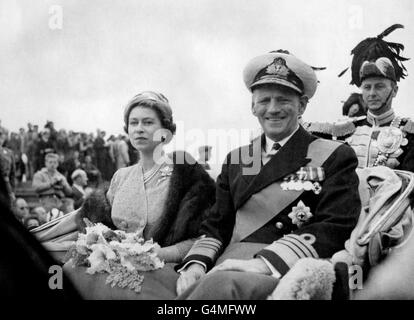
279 225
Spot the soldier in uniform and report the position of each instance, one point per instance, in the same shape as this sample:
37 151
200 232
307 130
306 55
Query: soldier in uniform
288 195
382 137
7 166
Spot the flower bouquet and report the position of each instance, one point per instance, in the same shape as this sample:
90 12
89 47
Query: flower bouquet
122 255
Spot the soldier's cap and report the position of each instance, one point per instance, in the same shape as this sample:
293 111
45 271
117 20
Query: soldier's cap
375 57
382 67
157 97
282 68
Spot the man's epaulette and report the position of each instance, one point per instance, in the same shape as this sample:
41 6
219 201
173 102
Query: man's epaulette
317 127
408 126
339 129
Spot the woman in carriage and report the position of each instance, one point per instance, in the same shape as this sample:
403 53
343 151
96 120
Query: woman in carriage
160 200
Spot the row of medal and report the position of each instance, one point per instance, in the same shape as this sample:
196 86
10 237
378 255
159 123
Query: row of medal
292 183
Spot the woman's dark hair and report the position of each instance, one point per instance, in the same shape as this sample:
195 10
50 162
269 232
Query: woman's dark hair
354 98
160 107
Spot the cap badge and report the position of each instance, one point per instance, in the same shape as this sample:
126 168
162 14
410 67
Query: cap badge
278 67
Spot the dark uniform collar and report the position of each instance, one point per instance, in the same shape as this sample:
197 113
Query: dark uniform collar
382 119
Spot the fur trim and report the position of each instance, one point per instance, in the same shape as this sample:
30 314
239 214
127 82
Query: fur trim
96 208
309 279
191 194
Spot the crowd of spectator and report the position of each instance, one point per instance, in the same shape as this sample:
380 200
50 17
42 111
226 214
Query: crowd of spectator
62 167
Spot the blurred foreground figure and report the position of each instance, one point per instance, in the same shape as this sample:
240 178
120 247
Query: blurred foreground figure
25 265
394 278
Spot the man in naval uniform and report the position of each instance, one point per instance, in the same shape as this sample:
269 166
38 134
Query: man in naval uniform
382 137
288 195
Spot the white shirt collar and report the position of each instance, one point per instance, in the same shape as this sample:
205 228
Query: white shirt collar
80 188
270 142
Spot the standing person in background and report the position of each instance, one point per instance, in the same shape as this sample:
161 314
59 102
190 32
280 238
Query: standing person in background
33 140
94 175
121 153
14 145
99 147
7 167
23 151
62 144
111 154
44 146
53 132
71 164
5 131
72 140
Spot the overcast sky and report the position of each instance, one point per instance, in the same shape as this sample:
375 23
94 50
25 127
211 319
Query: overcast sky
81 73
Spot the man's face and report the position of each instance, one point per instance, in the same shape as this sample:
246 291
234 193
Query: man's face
46 135
82 180
52 164
378 93
22 209
41 214
277 109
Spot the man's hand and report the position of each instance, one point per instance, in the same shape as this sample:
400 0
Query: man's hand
256 265
188 277
55 180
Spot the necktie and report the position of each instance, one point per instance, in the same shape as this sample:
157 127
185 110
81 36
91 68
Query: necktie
276 146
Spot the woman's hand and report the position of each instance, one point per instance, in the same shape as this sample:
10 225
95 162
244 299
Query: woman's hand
157 249
188 277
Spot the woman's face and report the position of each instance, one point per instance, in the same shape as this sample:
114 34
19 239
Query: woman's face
353 110
144 129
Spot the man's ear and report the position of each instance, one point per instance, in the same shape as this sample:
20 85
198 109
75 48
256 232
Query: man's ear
303 102
395 90
253 109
